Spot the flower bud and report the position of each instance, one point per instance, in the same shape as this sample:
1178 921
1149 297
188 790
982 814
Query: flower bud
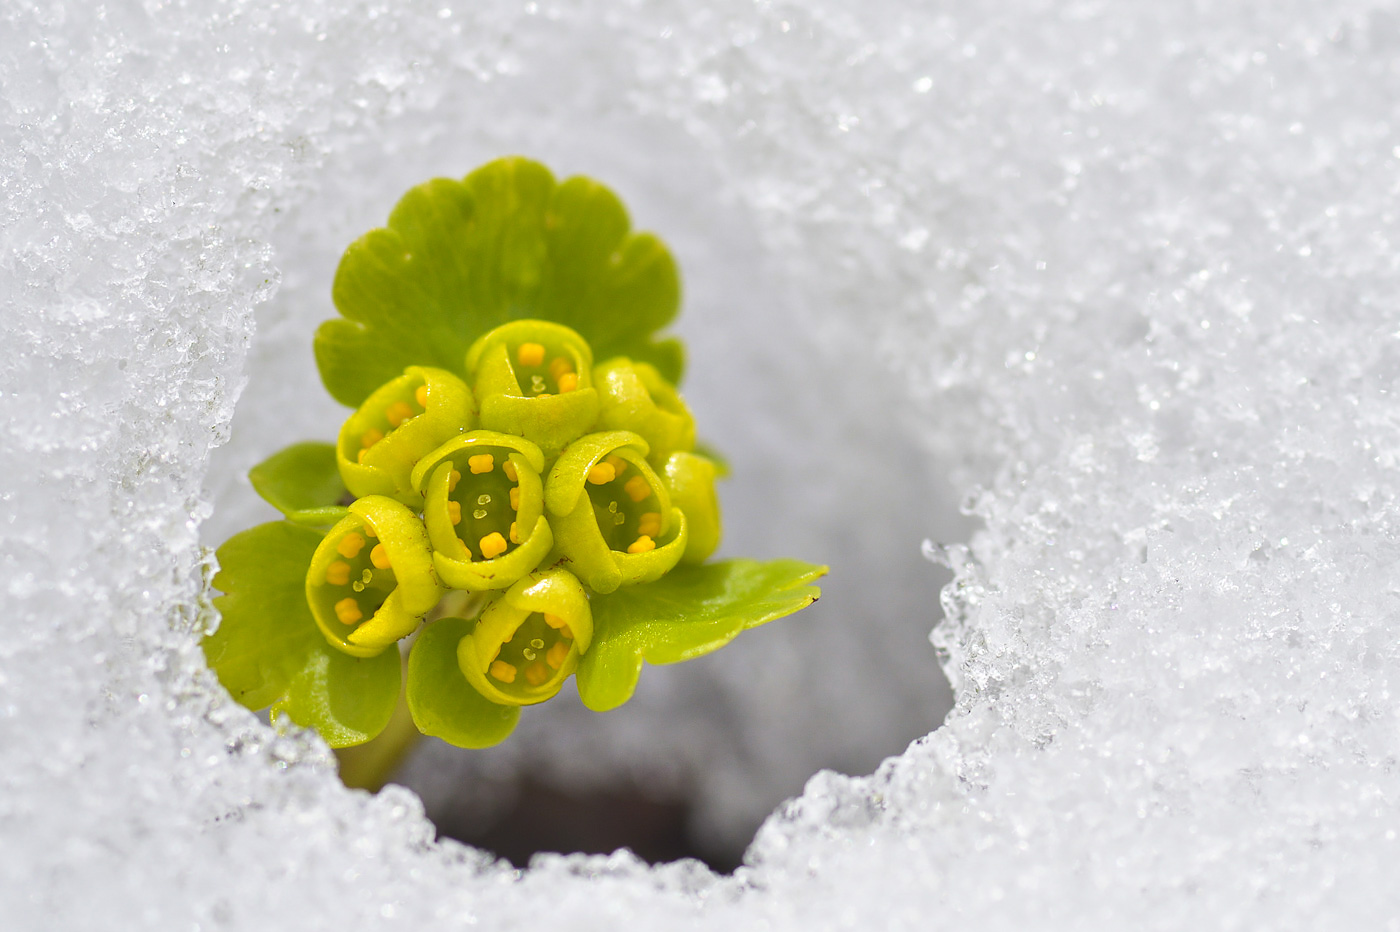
371 579
534 379
634 396
528 641
611 514
483 504
691 481
401 421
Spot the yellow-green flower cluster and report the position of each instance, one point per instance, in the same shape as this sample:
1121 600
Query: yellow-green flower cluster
532 477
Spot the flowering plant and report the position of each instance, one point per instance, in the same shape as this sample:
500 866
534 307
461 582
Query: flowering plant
517 497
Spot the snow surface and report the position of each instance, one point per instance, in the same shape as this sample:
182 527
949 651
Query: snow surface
1121 274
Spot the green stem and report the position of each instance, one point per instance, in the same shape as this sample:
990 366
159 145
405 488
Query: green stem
369 766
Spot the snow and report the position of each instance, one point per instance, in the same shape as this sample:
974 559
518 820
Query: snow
1118 278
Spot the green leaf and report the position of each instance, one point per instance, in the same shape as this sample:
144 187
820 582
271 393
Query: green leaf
348 700
322 518
507 242
685 614
267 630
443 703
303 482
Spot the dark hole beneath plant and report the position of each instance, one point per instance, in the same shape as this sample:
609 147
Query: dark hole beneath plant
544 818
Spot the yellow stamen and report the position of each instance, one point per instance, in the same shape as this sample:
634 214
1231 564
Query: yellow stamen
566 632
398 412
379 557
452 481
637 488
554 621
370 437
493 545
618 464
338 573
482 462
556 655
348 611
642 544
360 457
530 354
350 545
561 367
369 531
535 673
567 382
454 512
421 396
514 534
601 473
515 498
503 671
509 469
649 524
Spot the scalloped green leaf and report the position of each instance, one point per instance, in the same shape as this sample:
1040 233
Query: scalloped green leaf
267 631
507 242
303 482
687 613
348 700
443 703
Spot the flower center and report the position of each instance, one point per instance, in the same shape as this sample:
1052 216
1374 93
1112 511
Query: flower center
533 656
413 402
625 506
542 370
360 578
484 503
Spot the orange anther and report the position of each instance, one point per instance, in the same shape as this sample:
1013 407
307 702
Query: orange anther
349 545
649 524
535 673
530 354
502 671
492 545
398 412
348 611
601 473
509 469
379 557
370 437
561 367
338 573
567 382
515 498
557 654
482 462
642 544
637 488
454 512
421 396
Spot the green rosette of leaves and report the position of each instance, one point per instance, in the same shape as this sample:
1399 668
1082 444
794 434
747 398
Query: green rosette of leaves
500 512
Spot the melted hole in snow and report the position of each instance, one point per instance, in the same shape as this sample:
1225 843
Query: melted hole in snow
826 467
